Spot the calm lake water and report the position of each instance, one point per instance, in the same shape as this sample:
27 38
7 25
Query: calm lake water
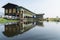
30 31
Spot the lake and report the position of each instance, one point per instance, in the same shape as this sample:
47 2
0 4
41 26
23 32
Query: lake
30 31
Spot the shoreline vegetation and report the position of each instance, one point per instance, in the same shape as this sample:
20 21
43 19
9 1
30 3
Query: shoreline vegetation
3 20
52 19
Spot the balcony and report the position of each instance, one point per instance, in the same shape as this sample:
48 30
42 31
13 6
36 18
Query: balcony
11 17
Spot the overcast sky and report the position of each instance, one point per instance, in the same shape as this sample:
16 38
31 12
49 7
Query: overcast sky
51 8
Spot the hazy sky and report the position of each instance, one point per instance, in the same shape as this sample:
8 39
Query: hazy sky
51 8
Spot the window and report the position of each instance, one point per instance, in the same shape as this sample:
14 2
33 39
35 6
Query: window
21 15
10 11
6 10
17 11
14 10
22 10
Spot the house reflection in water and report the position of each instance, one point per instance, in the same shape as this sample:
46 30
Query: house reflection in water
19 28
39 23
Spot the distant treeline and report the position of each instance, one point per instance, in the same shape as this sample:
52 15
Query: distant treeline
52 19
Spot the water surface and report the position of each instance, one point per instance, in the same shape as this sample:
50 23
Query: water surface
30 31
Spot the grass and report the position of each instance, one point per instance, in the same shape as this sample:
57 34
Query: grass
2 20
